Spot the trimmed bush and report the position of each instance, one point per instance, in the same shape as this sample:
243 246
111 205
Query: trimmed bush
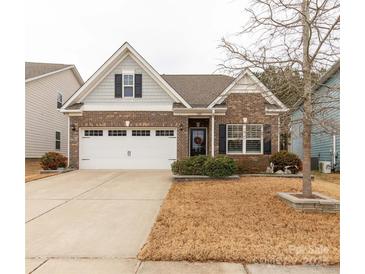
189 166
220 166
53 160
283 158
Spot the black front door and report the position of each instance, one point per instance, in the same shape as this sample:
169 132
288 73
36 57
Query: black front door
198 142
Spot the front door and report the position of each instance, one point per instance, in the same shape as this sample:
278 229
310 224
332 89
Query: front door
198 142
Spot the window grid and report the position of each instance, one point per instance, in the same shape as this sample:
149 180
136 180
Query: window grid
128 85
117 133
141 132
165 133
93 133
244 139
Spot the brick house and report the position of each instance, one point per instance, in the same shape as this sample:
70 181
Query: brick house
128 116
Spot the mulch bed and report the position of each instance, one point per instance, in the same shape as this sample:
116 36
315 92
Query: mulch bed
242 221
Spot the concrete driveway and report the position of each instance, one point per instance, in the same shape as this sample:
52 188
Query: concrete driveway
91 220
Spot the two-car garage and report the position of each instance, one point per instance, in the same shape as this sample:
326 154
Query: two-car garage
127 148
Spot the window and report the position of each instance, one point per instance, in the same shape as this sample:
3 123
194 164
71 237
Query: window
244 139
253 138
164 133
235 138
128 85
141 133
59 100
93 133
117 133
58 140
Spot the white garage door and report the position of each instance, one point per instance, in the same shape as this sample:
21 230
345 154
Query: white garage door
134 148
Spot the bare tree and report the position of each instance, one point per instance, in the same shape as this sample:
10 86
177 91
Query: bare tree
301 34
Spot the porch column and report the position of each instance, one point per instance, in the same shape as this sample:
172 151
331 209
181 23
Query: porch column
212 132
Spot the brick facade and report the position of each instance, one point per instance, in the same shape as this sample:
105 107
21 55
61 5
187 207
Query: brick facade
251 106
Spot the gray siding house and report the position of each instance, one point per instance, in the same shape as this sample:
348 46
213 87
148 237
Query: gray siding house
326 127
47 87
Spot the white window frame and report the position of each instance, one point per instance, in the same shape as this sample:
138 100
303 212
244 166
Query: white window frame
59 94
244 139
124 85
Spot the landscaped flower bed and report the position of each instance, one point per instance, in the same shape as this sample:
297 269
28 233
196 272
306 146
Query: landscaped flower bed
243 221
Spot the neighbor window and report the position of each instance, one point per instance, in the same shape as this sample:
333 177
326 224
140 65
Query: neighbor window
128 85
59 100
244 139
58 140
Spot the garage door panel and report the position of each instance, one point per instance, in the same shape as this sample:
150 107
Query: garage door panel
127 152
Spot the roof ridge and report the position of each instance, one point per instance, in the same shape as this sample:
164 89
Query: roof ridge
27 62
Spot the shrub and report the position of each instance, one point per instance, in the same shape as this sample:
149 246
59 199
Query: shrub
220 166
283 158
53 160
189 166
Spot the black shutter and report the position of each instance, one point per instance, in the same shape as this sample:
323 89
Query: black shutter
138 85
267 139
118 86
222 139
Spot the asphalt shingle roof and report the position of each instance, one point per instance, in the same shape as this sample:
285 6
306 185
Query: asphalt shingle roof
198 90
37 69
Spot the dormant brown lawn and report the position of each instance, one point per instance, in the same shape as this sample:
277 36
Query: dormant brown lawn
242 221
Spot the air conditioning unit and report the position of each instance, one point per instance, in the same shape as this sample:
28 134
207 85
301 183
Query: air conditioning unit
325 166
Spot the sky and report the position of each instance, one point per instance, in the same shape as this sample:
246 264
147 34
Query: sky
174 36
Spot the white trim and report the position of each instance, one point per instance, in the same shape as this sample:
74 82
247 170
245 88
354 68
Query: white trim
279 133
68 141
266 93
114 60
132 105
212 134
74 70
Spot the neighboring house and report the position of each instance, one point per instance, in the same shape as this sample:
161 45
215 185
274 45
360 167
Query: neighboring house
326 125
128 116
47 87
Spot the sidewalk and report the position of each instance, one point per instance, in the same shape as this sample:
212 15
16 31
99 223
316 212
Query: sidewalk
132 266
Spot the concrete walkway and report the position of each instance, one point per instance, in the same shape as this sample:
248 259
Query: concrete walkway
95 222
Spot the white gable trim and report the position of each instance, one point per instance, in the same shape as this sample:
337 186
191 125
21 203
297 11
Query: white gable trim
266 93
72 67
125 50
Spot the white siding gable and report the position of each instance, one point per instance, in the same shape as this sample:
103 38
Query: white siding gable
153 96
245 85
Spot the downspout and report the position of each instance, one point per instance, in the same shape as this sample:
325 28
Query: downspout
212 132
334 151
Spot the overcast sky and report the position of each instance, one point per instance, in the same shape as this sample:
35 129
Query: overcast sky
177 36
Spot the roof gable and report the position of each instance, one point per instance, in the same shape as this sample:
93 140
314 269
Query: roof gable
125 50
247 82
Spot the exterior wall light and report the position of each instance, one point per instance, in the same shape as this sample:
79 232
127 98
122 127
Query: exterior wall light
73 127
127 123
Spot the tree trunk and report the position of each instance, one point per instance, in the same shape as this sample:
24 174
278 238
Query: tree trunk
307 119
